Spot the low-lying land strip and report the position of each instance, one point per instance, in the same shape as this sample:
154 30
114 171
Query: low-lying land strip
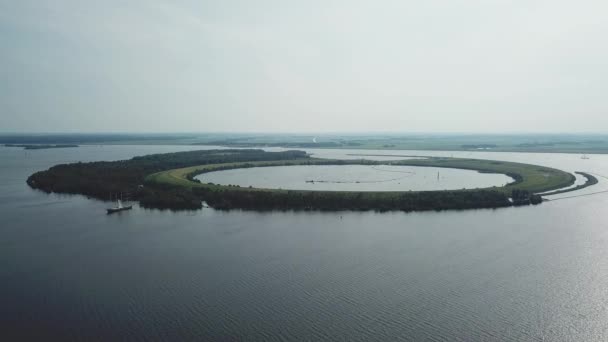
590 180
545 143
167 181
40 146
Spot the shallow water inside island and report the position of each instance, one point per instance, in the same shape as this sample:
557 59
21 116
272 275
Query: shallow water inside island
71 272
355 178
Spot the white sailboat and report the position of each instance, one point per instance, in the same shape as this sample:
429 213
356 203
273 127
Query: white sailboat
584 156
119 207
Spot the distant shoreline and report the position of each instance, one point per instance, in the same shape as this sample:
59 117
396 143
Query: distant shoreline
40 147
519 143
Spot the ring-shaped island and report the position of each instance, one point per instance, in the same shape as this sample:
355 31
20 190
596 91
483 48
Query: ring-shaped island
167 181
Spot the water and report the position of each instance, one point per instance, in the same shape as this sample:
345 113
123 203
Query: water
71 272
356 178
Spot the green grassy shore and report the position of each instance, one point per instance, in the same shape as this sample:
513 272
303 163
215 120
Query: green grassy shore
532 178
528 180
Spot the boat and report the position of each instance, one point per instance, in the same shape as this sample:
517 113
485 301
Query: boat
584 156
119 207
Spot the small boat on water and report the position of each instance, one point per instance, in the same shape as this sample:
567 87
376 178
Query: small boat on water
584 156
119 207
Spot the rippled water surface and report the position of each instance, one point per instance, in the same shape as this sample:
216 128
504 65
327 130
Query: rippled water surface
355 178
71 272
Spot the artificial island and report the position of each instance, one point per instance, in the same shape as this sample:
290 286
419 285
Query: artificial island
167 181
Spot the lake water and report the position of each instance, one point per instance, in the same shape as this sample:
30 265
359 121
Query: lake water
71 272
355 178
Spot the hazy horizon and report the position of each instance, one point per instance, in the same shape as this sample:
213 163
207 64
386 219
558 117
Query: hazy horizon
320 67
311 133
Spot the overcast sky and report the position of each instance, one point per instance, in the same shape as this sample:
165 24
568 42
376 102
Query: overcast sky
297 66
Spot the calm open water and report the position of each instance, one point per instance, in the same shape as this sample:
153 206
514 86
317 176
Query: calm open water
356 178
71 272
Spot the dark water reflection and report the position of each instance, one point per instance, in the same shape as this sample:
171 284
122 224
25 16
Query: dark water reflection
69 271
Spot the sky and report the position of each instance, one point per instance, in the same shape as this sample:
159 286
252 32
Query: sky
303 66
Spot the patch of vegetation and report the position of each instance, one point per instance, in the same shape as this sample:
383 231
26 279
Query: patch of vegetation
102 179
590 180
524 197
532 178
230 198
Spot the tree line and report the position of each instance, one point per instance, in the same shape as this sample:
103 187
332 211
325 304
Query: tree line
103 179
